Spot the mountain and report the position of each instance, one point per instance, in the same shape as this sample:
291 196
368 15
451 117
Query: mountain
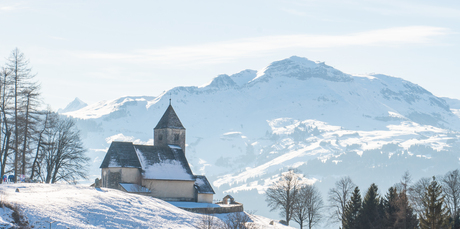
246 128
76 104
77 206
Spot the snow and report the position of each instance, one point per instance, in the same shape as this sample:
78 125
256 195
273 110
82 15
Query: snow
85 207
319 124
104 108
166 170
6 219
174 147
183 204
70 206
113 163
76 104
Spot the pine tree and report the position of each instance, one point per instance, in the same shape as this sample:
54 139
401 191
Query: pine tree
435 214
351 211
390 207
370 214
398 214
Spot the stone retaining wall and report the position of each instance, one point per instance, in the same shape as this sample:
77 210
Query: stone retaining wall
219 210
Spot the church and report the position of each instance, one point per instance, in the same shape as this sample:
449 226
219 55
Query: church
160 170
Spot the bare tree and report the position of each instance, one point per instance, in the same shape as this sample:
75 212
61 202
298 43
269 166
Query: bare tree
35 170
239 220
20 76
338 197
405 181
417 193
208 221
63 155
5 127
451 188
308 206
282 194
29 120
404 213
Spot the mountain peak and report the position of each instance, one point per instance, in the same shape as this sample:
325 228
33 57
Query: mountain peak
76 104
221 81
302 69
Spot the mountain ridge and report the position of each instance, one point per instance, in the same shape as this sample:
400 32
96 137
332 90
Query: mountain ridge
244 128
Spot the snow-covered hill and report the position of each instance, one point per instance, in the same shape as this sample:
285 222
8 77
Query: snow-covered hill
70 206
244 129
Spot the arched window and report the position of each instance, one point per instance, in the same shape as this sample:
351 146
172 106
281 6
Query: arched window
160 137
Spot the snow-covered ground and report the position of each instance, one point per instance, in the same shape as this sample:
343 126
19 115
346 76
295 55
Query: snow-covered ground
78 206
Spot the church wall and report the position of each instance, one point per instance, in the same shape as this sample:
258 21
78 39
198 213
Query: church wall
171 189
205 198
112 176
167 136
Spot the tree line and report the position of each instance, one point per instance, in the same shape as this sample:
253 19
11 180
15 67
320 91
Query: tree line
429 203
35 144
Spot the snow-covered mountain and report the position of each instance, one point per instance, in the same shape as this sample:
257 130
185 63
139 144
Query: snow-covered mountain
76 104
244 129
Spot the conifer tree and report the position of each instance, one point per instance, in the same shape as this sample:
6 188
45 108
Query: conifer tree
369 216
351 211
390 207
435 214
398 212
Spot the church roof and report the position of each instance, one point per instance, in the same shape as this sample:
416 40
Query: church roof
169 120
202 185
157 162
121 154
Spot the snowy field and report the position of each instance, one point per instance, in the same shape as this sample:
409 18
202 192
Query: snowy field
77 206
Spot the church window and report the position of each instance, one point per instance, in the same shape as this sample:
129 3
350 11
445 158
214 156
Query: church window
160 137
176 137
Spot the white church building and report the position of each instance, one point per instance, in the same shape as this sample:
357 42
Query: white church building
160 170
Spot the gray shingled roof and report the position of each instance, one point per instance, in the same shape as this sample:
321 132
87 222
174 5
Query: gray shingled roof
169 120
134 188
121 154
149 158
202 185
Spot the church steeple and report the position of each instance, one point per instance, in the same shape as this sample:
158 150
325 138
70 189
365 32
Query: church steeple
169 130
169 120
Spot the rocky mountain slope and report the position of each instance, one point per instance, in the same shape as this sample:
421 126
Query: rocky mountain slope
244 129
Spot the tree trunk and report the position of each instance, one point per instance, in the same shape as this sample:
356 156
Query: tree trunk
4 126
16 142
34 164
25 136
39 145
5 153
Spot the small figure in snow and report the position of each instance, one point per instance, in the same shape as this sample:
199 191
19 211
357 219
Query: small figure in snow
10 178
97 183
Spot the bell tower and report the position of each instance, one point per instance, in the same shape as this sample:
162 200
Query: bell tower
169 130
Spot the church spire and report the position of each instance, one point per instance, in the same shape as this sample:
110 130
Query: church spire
169 120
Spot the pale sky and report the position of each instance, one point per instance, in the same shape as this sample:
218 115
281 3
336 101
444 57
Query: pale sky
102 50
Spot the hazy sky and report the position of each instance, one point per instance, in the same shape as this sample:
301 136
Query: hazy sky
102 50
